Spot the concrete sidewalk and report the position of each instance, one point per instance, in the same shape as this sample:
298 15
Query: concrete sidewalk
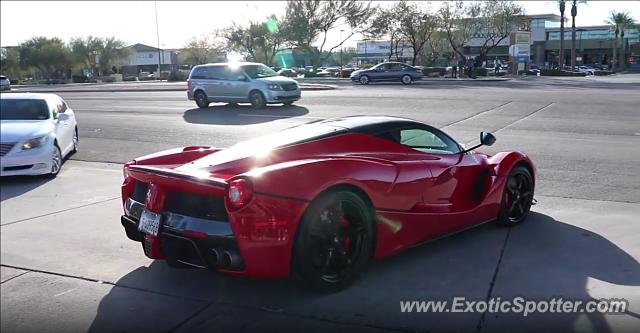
65 261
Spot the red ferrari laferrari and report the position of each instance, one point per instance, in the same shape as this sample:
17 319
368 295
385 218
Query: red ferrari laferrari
318 200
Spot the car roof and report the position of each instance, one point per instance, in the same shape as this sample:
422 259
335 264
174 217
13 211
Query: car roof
353 122
228 63
27 95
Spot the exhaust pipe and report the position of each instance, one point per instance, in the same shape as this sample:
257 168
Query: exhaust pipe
229 259
215 256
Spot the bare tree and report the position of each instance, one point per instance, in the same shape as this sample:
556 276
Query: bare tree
455 21
199 50
416 24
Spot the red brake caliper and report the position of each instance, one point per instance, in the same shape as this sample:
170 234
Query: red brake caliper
346 242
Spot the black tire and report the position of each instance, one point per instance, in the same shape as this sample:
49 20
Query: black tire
202 101
517 197
55 169
406 79
364 79
75 139
335 241
288 103
257 100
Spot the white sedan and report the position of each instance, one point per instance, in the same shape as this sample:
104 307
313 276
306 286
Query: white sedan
36 132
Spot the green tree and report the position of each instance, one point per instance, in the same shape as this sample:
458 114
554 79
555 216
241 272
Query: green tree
494 22
574 13
416 25
619 21
10 62
51 56
561 7
200 50
385 24
111 54
309 21
84 47
259 41
343 56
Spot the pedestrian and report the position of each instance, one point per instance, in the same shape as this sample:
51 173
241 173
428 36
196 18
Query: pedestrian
460 66
454 70
497 67
469 67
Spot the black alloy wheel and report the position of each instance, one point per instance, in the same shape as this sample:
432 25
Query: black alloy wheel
335 241
517 197
202 101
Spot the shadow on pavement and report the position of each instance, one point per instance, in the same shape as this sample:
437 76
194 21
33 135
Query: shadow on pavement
13 186
223 114
543 258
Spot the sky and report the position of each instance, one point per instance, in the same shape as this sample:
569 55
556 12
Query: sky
134 21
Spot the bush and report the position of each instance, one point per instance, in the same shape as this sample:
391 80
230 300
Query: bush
175 76
14 82
602 73
79 78
148 78
106 79
130 78
480 71
427 71
557 72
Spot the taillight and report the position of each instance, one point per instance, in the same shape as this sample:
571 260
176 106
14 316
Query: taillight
125 169
239 193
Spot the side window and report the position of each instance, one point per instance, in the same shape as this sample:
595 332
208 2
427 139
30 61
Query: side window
428 141
395 67
235 74
216 73
198 73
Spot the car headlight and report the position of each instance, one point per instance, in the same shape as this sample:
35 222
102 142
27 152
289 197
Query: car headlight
274 87
35 142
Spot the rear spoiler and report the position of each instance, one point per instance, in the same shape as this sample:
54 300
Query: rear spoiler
159 175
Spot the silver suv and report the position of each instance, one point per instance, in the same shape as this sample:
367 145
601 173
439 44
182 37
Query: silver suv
240 83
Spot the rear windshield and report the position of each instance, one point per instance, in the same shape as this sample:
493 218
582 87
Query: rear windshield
23 109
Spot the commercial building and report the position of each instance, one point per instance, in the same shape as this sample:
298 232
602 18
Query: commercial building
144 58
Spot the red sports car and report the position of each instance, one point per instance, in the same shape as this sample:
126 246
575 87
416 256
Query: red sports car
318 200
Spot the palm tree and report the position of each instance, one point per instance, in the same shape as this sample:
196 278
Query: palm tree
619 21
574 13
561 53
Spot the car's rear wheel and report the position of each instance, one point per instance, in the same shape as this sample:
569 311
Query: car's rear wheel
202 101
517 197
406 79
364 79
257 100
334 241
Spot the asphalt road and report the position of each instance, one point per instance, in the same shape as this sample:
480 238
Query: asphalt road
582 134
66 265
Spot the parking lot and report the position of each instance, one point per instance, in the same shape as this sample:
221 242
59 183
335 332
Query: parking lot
66 261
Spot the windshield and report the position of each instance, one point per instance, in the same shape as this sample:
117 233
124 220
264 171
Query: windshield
259 71
23 109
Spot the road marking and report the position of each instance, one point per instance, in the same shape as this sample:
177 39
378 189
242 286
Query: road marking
64 292
274 116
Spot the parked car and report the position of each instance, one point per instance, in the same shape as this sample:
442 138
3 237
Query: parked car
329 71
319 200
585 69
387 71
5 84
288 72
244 82
37 132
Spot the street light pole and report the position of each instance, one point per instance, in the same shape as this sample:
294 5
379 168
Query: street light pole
341 51
155 5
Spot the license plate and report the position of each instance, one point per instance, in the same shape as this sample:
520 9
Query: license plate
149 223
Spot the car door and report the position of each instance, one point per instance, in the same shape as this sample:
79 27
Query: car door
214 79
379 72
63 124
236 85
458 180
394 72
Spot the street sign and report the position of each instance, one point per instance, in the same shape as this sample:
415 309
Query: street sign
523 58
514 50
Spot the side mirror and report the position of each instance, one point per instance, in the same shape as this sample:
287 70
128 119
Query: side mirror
487 138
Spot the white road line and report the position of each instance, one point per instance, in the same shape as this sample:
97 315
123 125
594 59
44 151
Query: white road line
64 292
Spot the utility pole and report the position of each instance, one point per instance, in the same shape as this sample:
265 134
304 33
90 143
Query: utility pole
341 51
155 5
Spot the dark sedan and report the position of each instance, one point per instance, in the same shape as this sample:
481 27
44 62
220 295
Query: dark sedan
387 71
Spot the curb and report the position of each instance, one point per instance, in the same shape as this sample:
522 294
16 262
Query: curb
24 90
